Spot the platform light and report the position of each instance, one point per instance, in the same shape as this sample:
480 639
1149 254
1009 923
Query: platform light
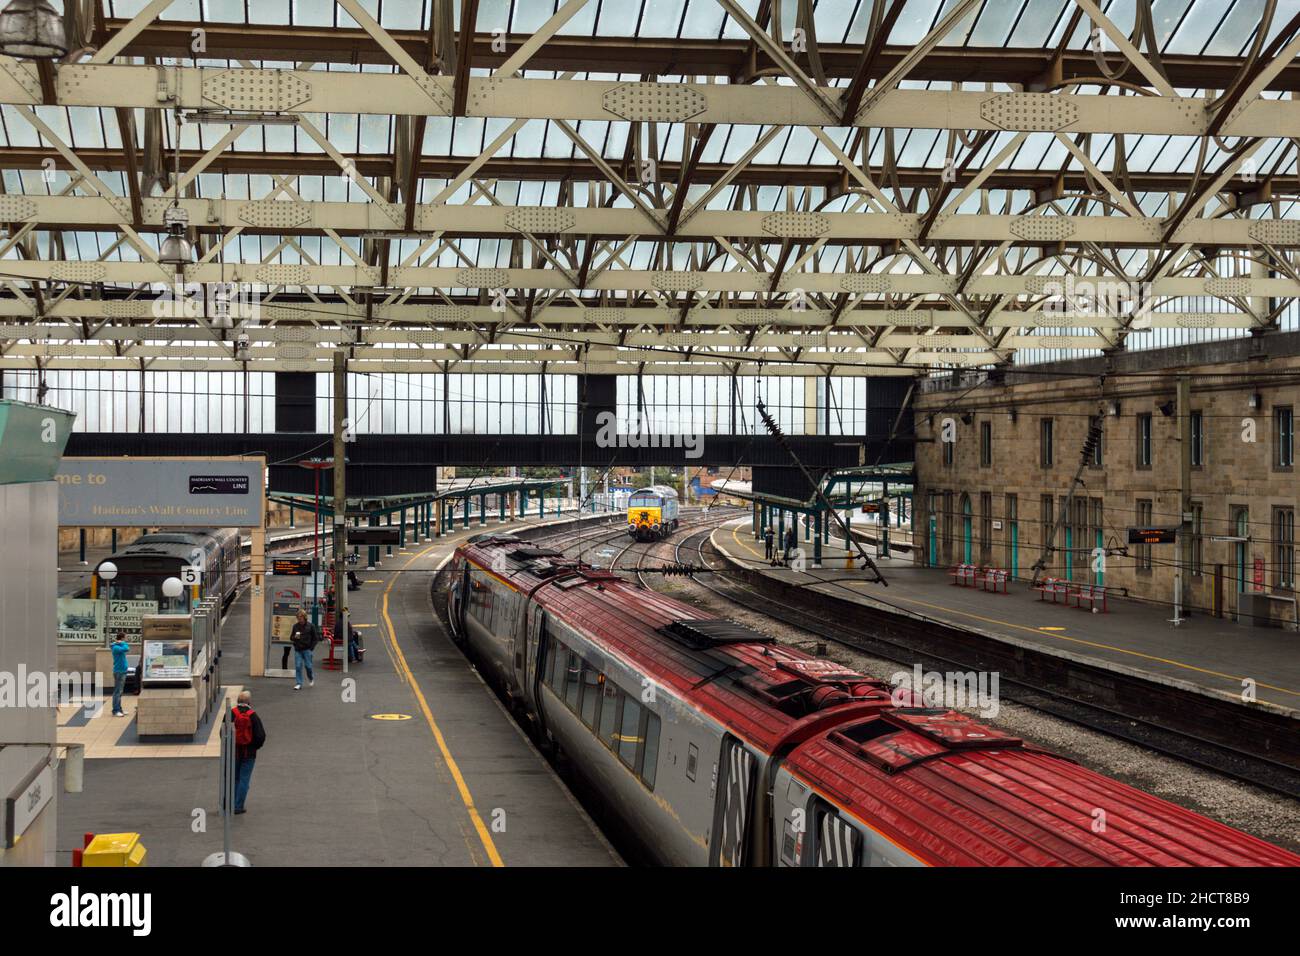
223 118
176 250
172 587
107 571
32 30
1256 400
1113 409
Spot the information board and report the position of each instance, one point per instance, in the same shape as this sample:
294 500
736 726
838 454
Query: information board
292 567
1152 535
166 660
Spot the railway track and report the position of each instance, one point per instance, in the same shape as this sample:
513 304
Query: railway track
910 642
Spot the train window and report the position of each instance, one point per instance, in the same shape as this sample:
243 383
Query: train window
650 757
573 681
692 761
838 844
610 711
590 694
629 734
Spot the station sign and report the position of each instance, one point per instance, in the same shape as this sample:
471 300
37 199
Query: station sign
1152 535
166 492
127 615
374 536
23 806
295 567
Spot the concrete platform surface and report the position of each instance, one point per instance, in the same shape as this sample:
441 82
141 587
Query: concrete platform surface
1215 654
451 781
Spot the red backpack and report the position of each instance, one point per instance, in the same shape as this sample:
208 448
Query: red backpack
243 726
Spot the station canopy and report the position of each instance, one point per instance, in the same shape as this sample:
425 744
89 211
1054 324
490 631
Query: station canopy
808 187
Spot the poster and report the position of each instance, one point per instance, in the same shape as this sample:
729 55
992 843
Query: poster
81 621
284 612
166 660
126 615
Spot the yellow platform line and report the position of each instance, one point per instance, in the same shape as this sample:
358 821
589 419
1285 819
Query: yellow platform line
1033 630
484 835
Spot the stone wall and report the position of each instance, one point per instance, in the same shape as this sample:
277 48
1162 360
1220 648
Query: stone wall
1239 487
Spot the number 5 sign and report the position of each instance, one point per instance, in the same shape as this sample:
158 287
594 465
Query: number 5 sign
192 574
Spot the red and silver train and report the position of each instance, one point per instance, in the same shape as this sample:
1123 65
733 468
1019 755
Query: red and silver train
713 745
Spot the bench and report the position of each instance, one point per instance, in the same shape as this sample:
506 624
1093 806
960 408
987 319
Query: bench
1092 593
964 575
987 579
1053 587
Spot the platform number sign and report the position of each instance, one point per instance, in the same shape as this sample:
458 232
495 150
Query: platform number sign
192 573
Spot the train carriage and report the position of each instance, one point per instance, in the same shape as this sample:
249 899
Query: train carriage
710 744
144 564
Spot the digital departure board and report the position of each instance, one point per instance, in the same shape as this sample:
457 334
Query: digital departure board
1152 535
291 566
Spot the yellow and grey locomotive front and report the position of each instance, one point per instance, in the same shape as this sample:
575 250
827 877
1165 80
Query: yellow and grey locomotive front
652 513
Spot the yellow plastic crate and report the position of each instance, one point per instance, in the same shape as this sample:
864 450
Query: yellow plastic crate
114 849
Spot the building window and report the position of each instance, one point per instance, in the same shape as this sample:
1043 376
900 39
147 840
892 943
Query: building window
986 527
1198 440
1284 547
1096 421
1198 540
1045 453
986 444
1047 522
1144 440
1284 429
1144 518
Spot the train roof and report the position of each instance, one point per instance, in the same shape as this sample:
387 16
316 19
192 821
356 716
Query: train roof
958 793
173 542
666 491
769 694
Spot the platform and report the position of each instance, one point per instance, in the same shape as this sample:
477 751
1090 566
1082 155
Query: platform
452 781
1211 654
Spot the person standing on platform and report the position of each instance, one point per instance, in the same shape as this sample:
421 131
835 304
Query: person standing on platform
120 667
791 543
304 638
249 737
767 542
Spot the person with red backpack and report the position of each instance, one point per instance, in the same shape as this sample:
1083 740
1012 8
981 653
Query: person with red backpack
249 737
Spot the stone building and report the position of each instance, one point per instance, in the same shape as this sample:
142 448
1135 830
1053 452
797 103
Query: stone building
1198 438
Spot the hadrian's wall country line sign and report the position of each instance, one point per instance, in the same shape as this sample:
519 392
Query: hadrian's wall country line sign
172 492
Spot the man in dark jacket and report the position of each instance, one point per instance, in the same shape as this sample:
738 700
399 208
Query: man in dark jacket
304 638
249 737
768 535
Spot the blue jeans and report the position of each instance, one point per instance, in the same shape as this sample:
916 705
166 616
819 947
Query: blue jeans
119 681
301 660
243 778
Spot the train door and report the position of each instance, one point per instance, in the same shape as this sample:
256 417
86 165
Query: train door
459 599
734 810
533 649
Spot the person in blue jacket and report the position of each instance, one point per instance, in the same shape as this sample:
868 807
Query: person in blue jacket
120 667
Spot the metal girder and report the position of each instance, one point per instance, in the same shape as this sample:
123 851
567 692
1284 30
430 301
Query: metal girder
664 281
540 168
665 56
328 315
301 92
287 217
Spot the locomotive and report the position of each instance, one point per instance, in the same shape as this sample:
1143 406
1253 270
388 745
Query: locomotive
652 513
712 745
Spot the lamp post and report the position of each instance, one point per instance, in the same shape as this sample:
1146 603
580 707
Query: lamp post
107 572
317 465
